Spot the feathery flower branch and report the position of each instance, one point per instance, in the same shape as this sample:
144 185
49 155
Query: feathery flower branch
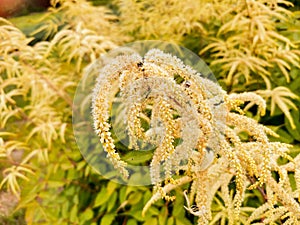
178 103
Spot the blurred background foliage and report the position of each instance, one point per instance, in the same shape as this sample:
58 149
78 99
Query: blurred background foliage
250 45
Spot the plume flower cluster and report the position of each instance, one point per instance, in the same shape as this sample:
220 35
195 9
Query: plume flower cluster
197 130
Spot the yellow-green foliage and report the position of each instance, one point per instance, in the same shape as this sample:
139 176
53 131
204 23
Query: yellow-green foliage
247 48
241 38
36 85
251 45
162 20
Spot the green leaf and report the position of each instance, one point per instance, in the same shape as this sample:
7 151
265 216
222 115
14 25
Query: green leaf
65 209
178 210
55 184
76 199
111 187
151 221
171 221
131 222
107 219
137 214
70 191
137 177
74 213
162 217
112 201
283 135
102 197
153 211
295 150
88 214
134 198
295 133
122 194
146 196
129 189
182 221
136 157
292 181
